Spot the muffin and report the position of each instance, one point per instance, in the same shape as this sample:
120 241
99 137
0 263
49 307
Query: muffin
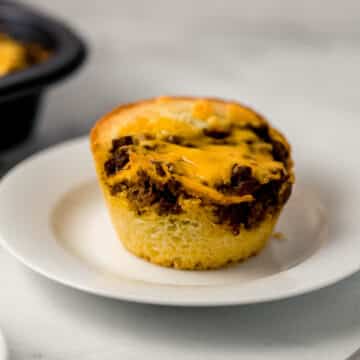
15 56
191 183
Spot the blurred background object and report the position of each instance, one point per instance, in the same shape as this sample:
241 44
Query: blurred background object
35 52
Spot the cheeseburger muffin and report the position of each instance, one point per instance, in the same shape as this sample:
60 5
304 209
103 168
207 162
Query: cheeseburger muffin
191 183
15 56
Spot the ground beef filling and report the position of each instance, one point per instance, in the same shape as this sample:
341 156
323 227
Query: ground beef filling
279 151
145 193
268 200
164 197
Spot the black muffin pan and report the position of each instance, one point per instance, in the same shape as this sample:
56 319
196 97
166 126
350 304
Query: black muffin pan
22 92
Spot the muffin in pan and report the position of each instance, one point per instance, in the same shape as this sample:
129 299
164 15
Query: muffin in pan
15 55
192 183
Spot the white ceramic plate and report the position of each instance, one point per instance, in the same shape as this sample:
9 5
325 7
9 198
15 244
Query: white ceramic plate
53 219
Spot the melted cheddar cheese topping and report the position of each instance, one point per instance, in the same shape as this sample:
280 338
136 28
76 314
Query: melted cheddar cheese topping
198 143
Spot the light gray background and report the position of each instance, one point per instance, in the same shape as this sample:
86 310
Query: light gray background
289 59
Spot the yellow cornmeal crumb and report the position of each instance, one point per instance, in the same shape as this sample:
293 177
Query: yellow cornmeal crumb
237 113
188 241
202 109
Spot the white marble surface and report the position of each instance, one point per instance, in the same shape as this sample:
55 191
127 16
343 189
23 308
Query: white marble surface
289 59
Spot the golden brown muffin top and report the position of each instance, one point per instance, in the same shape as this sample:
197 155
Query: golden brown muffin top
207 145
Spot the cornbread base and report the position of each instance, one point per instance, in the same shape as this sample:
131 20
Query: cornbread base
187 242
